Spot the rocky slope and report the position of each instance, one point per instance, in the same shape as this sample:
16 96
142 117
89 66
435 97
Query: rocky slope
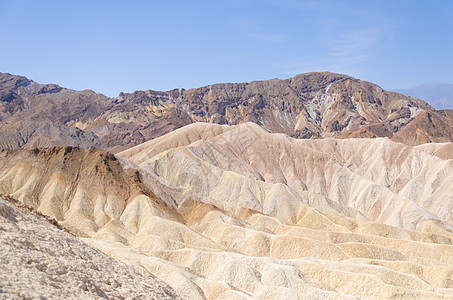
308 105
234 212
39 260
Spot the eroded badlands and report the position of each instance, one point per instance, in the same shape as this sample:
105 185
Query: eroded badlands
234 212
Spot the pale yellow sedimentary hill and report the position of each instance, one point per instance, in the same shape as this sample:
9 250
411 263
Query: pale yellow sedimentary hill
244 165
234 212
442 150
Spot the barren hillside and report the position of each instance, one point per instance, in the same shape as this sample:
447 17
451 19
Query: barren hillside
318 105
40 260
235 212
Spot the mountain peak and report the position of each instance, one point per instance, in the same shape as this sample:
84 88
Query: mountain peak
310 105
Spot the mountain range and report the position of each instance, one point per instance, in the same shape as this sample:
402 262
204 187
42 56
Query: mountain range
439 95
312 105
321 186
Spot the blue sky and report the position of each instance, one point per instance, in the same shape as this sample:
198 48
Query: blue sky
113 46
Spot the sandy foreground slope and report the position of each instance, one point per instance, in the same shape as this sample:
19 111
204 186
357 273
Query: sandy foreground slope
40 260
234 212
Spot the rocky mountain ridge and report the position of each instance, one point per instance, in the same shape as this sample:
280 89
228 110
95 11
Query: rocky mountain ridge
312 105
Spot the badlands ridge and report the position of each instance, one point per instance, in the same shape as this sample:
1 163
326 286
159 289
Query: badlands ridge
235 212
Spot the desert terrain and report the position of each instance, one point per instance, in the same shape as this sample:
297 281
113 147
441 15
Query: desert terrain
236 212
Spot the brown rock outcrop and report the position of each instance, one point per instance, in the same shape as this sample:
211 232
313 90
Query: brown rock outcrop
311 105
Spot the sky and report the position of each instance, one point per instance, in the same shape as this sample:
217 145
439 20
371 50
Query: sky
123 46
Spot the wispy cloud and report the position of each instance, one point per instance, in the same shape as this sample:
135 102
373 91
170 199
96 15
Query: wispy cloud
241 3
353 43
351 66
346 52
304 5
348 36
255 30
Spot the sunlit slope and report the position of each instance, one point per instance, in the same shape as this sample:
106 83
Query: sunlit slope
233 212
244 165
42 261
